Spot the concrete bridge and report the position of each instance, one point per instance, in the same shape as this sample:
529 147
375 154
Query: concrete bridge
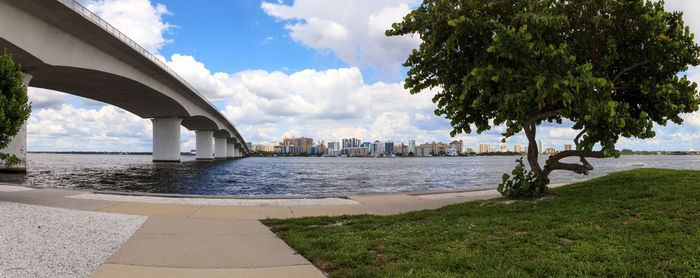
63 46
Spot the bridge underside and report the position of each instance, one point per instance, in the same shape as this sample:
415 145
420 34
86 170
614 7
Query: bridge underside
75 52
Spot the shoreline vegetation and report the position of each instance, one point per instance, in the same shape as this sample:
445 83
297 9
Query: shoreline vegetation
637 223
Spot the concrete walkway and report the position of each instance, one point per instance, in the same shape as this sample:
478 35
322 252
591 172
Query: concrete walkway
194 240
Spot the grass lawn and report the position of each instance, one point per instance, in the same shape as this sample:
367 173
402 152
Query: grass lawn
639 223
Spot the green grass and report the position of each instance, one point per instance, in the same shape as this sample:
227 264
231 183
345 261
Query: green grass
640 223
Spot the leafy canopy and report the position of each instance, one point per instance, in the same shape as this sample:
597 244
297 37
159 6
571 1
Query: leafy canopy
608 66
14 106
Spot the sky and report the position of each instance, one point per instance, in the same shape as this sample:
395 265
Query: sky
316 68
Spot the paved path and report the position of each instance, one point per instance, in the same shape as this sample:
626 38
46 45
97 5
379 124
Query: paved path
191 240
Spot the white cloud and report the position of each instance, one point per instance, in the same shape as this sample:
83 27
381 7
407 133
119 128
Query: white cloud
691 10
563 132
355 32
140 20
693 119
87 129
42 98
337 103
266 106
329 104
105 129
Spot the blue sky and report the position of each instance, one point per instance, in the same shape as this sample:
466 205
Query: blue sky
322 69
237 36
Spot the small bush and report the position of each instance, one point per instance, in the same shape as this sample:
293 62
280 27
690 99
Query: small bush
14 105
523 184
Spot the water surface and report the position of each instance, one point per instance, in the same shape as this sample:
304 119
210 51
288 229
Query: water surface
298 175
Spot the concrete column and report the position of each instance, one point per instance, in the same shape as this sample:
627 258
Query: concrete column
237 152
219 148
166 139
205 145
230 149
18 144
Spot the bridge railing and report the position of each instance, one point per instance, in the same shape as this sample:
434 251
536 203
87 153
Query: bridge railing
86 13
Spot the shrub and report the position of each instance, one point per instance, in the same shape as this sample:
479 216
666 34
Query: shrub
14 104
523 184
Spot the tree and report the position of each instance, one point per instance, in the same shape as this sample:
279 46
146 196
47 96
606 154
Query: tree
14 106
607 68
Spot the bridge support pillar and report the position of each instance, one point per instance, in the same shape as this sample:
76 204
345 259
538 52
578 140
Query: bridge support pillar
205 148
166 139
230 149
219 148
18 144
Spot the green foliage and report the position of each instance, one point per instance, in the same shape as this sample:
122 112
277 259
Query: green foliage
14 106
608 67
523 184
644 224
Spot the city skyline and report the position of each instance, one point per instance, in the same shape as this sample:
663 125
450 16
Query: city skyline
353 146
278 74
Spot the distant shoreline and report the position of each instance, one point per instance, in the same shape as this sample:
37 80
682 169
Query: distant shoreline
108 153
268 155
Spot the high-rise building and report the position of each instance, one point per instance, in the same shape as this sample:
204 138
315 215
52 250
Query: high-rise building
423 150
457 145
263 148
401 149
504 148
412 146
567 147
347 144
438 148
359 152
303 142
389 148
517 148
290 150
351 143
377 148
484 148
334 145
539 146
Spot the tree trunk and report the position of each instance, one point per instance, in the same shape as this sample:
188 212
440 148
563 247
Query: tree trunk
583 168
532 150
553 163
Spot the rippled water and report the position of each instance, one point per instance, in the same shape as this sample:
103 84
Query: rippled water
297 175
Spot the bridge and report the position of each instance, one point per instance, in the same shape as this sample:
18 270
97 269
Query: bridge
63 46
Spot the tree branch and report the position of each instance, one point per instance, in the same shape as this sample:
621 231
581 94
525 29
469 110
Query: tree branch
565 154
543 115
554 164
579 136
619 74
577 168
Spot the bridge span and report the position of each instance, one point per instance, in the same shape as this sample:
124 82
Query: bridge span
63 46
